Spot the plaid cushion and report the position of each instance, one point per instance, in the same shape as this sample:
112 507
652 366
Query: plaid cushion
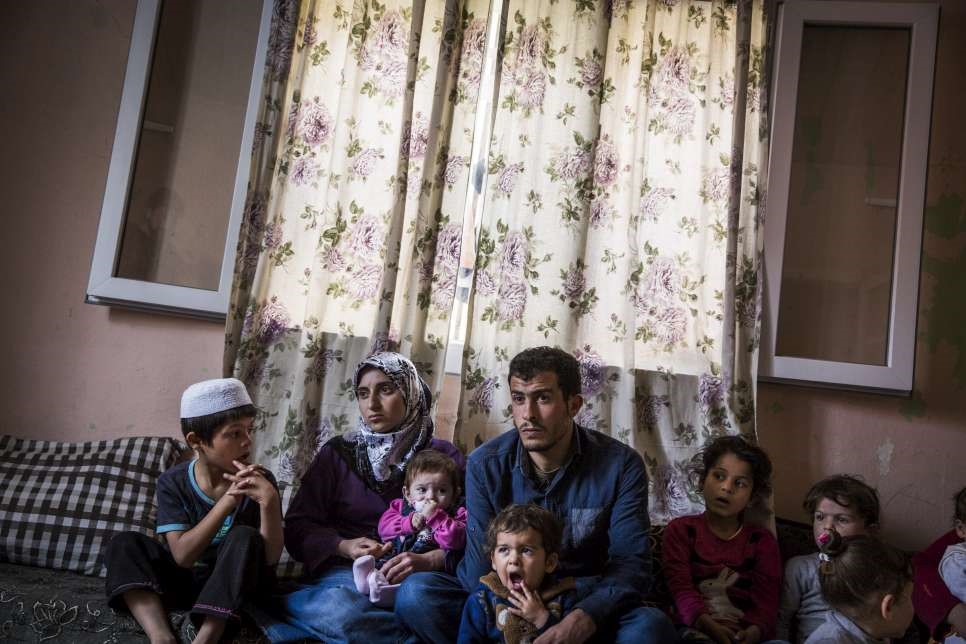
60 503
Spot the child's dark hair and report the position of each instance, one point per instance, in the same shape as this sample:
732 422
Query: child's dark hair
517 518
432 461
856 572
960 505
744 450
849 492
206 426
529 362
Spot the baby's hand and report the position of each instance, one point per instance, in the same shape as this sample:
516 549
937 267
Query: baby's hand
429 507
528 605
418 520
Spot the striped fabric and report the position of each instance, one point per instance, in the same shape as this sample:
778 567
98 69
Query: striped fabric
60 503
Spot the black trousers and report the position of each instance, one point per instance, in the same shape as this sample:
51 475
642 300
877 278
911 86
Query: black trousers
216 586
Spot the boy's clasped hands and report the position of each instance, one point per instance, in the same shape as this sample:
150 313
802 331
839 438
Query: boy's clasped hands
250 481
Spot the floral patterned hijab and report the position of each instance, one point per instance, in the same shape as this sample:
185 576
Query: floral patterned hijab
380 459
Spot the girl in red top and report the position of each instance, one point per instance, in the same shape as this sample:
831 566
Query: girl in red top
725 576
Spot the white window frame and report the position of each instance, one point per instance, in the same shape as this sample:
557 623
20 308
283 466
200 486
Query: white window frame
103 286
896 376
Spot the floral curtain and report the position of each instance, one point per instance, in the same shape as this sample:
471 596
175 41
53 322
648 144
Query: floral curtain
352 238
623 222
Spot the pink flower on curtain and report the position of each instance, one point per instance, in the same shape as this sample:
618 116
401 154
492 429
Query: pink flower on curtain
532 85
512 300
448 245
364 162
650 408
385 341
662 280
485 284
453 170
471 58
364 283
483 395
389 37
333 261
592 371
727 94
316 123
677 115
508 178
415 137
670 324
530 47
573 282
319 367
514 254
572 166
441 297
600 212
670 491
605 163
367 237
273 321
591 72
673 73
273 235
710 391
716 185
302 171
653 203
293 119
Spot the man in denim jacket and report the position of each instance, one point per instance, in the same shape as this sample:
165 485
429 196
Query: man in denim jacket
594 484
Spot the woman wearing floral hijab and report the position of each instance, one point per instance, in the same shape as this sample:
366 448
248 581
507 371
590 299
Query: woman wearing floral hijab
334 516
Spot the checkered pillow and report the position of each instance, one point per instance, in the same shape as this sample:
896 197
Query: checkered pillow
60 503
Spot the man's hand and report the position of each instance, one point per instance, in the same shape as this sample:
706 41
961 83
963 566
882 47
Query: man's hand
957 618
355 548
720 632
529 606
750 635
406 563
576 627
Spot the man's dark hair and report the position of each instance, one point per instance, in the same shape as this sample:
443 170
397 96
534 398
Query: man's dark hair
529 362
745 451
849 492
518 518
206 426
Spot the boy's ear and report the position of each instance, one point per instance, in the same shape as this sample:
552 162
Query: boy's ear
552 561
194 441
887 605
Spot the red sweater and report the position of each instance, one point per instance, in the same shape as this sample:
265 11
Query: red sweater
930 597
692 554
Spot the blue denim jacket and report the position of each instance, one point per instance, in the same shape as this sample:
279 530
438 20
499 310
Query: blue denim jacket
600 497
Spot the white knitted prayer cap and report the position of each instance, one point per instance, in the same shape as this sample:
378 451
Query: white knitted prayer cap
212 396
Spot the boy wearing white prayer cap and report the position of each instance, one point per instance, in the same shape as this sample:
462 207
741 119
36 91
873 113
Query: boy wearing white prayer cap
221 519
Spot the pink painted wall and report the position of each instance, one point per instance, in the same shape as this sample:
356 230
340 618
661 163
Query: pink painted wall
913 450
70 370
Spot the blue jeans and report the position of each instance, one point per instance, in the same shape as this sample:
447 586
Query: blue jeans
332 610
430 604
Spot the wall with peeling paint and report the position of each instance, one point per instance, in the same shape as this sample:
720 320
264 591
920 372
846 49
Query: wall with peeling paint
74 371
913 450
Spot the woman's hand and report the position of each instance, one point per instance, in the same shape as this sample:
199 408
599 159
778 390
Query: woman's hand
355 548
720 632
406 563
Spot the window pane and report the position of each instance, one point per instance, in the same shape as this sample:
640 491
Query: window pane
180 197
840 236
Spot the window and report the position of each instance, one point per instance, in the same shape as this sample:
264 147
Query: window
846 193
179 166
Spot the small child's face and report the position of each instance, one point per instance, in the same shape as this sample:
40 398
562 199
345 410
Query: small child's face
829 514
430 486
728 486
519 559
230 442
960 529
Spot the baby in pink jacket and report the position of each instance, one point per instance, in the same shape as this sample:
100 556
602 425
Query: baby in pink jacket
427 517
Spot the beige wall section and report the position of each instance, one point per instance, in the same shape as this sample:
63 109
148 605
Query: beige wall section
913 450
74 371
